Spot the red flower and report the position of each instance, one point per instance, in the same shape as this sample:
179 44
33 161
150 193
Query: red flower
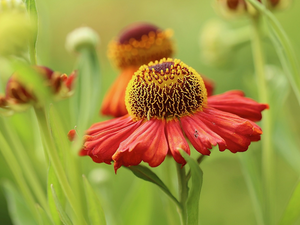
137 44
167 103
17 96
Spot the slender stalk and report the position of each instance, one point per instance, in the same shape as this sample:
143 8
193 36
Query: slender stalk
284 45
183 193
199 160
267 152
26 165
17 172
58 168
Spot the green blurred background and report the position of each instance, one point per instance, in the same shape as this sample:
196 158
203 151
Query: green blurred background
225 198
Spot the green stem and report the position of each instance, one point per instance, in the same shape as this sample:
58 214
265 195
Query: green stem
267 153
285 46
57 166
183 193
17 173
26 165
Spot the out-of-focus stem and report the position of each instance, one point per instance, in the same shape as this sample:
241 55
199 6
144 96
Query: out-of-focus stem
267 152
58 168
17 172
26 165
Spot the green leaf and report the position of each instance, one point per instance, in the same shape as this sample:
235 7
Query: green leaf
96 214
17 207
140 203
292 212
32 11
195 189
58 133
87 87
44 219
52 180
147 175
63 215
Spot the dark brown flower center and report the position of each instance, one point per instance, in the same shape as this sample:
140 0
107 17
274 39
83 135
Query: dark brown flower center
165 89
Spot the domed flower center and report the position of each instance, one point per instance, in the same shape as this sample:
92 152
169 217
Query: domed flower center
136 31
139 44
165 89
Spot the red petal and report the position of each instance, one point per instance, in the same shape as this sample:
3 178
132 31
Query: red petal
176 141
235 102
201 136
148 143
114 100
101 145
237 132
70 80
72 135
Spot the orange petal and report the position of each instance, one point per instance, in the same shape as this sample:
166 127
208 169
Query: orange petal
148 143
114 100
101 145
234 102
176 141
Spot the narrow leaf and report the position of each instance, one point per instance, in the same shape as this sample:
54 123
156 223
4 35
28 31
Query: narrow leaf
147 175
292 212
95 212
52 180
44 219
63 215
195 190
17 207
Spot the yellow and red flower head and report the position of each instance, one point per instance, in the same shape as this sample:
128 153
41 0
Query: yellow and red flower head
137 44
18 97
167 102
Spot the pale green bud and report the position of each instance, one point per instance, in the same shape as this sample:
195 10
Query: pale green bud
83 37
16 30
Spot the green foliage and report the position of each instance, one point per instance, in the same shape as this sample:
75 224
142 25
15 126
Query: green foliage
96 214
18 209
63 215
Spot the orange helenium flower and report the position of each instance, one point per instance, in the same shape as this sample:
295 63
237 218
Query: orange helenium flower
167 102
137 44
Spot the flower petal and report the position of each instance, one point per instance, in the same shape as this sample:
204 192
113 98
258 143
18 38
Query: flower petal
201 136
114 100
148 143
235 102
176 141
237 132
101 145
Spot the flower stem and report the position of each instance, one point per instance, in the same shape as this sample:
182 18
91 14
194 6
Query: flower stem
26 165
267 152
58 168
183 193
199 160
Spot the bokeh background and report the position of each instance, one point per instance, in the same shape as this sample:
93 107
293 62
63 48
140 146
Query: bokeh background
225 198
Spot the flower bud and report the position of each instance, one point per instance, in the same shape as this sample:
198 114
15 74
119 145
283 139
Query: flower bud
83 37
232 8
16 30
10 5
